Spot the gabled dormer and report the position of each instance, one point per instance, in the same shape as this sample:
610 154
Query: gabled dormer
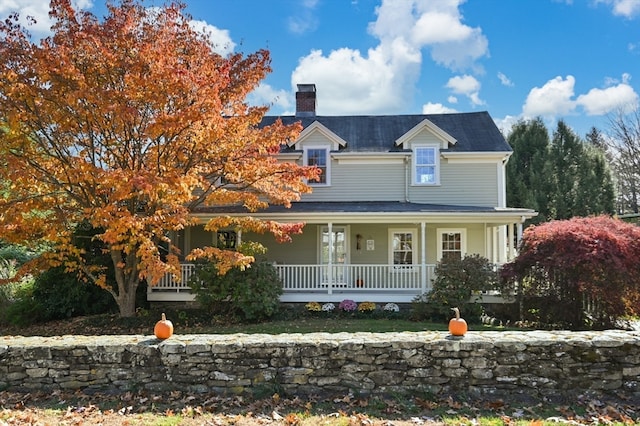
425 141
426 130
316 142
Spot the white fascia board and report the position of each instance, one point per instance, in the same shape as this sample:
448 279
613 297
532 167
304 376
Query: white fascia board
370 157
476 157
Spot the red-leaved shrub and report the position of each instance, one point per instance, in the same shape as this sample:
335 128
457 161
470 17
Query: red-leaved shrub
581 273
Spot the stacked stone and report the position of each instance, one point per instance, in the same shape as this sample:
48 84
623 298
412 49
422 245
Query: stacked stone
359 363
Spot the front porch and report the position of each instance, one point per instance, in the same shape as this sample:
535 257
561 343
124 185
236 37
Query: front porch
324 283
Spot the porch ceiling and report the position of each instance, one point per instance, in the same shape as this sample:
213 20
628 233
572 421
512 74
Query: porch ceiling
376 212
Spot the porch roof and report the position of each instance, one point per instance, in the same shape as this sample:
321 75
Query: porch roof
376 211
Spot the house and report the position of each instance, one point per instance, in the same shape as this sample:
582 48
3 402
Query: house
397 194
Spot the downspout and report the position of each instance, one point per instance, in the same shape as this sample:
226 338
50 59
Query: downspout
407 179
423 255
330 260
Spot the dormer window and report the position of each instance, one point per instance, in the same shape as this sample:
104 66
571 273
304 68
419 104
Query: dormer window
426 165
318 157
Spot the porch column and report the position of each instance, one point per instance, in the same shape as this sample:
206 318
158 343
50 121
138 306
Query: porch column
423 256
330 259
491 236
512 241
502 243
519 234
186 247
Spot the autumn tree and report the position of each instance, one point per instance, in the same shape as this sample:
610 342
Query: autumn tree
126 124
581 272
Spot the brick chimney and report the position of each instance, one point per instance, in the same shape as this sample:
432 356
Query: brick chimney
306 100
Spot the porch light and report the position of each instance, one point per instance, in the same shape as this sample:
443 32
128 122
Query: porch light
358 241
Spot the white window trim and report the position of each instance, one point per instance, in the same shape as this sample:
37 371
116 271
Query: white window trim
325 148
463 239
414 257
414 164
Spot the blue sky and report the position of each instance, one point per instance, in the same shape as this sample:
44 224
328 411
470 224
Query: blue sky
577 60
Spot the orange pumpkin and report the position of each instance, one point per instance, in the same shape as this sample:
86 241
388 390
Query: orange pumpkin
457 325
163 329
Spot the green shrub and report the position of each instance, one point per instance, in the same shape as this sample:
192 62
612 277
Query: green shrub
19 306
62 295
457 280
16 298
252 294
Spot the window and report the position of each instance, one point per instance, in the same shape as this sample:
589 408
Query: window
318 157
402 247
451 243
227 240
426 160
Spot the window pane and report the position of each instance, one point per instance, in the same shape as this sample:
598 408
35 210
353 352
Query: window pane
425 156
318 158
402 247
426 174
426 164
452 245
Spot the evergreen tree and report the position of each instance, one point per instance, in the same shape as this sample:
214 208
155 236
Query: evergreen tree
598 173
528 170
561 179
567 160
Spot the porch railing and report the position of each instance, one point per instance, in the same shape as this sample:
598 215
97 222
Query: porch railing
322 278
371 277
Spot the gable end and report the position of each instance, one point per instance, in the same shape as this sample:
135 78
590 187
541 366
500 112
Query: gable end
316 127
446 140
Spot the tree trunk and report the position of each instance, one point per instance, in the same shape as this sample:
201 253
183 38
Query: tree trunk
126 272
127 302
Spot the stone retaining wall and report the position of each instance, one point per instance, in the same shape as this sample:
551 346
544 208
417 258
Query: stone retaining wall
362 363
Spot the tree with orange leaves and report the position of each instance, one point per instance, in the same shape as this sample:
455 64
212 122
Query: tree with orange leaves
126 125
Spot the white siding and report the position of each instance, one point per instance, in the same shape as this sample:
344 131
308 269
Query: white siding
469 184
361 182
461 183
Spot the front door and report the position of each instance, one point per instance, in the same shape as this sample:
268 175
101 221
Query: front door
334 254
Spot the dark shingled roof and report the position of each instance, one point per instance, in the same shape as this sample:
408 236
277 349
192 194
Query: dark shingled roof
474 132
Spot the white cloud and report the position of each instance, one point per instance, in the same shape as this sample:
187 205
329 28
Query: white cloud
552 99
625 8
603 101
437 25
220 40
348 82
431 108
452 99
304 20
505 80
382 79
468 86
37 9
265 94
505 124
